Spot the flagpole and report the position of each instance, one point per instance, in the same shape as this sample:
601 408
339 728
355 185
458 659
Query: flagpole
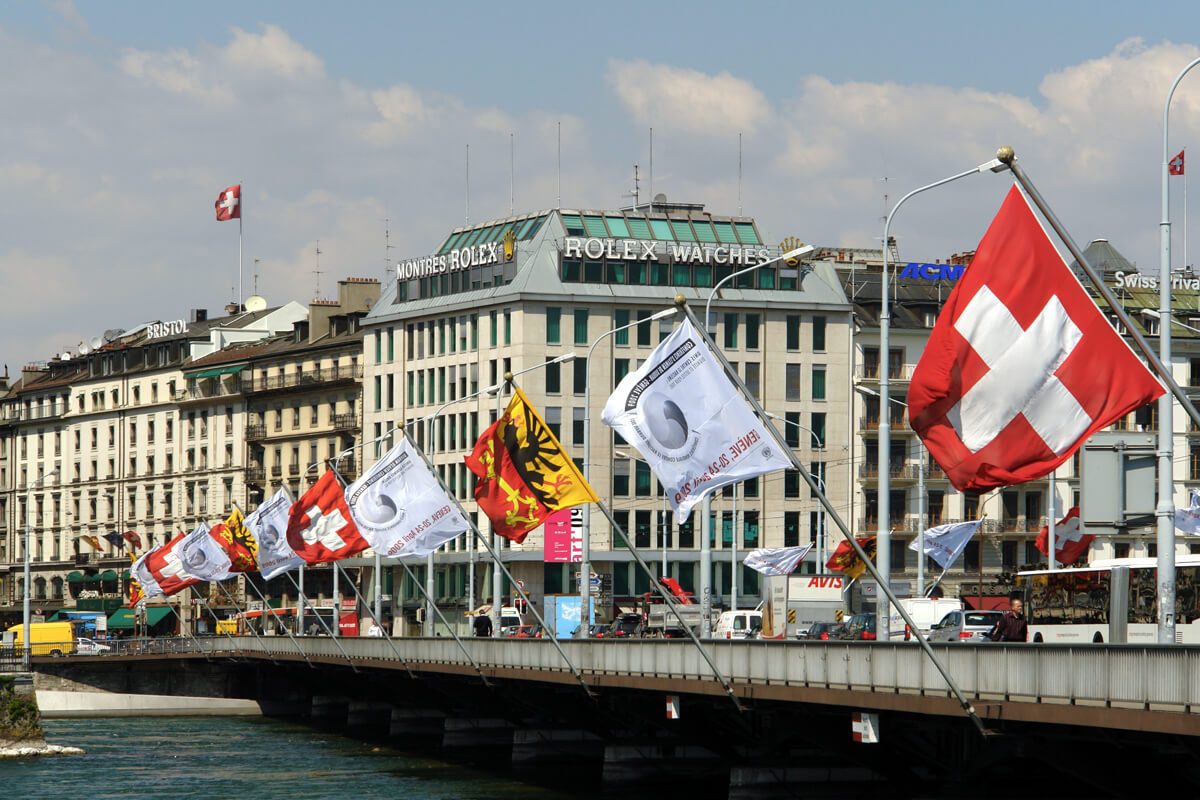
966 706
266 649
241 213
442 617
483 539
1050 550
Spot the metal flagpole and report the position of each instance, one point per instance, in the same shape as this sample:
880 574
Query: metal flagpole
337 602
203 601
270 654
267 607
321 621
1050 549
183 627
496 557
442 617
672 605
733 570
241 213
967 708
498 549
299 597
921 520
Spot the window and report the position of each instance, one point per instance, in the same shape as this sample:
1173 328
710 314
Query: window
577 426
752 331
581 326
750 529
554 420
643 328
553 325
818 334
791 382
791 529
817 425
644 481
620 370
378 346
641 528
495 331
752 379
580 376
378 392
391 350
620 320
791 484
553 377
731 329
793 332
621 477
818 383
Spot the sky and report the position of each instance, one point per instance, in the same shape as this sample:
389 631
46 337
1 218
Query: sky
124 121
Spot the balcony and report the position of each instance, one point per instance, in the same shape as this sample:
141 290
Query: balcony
302 380
47 411
897 372
277 471
199 392
870 469
256 431
346 422
255 473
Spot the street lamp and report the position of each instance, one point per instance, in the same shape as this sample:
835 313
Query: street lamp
28 546
883 556
706 521
585 565
822 528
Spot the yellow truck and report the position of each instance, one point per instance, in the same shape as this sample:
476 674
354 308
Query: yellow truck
46 638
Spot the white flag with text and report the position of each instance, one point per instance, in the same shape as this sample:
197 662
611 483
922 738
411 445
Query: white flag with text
776 560
945 543
201 556
691 424
268 525
400 508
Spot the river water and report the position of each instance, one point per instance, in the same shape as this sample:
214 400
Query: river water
249 758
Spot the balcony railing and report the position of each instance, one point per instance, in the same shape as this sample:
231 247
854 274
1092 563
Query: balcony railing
255 472
48 411
256 431
897 372
870 469
277 471
302 379
346 421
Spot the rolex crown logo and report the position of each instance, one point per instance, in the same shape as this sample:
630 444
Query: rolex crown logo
510 244
788 245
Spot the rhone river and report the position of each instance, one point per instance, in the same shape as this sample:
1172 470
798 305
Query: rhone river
247 758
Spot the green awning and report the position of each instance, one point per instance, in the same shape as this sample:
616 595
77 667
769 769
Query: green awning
107 575
126 575
122 619
74 577
216 373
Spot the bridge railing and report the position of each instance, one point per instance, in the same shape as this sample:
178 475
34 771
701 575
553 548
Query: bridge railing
1134 675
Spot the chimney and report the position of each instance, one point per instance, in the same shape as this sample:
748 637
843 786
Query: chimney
198 315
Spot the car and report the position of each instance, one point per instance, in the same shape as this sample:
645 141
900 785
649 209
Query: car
860 627
88 647
524 632
625 626
965 626
824 631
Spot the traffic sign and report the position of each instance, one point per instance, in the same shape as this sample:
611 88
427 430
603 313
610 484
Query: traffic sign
521 584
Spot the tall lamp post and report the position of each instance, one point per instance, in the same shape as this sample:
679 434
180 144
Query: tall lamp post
585 564
706 519
28 546
820 479
883 556
1166 486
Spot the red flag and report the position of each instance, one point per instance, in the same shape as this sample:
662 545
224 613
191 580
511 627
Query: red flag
1071 542
167 569
229 203
845 559
1021 366
1175 165
134 540
320 528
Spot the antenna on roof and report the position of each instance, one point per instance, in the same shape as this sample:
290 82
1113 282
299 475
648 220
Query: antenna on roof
636 186
387 249
739 173
256 276
467 216
651 169
512 172
558 203
317 274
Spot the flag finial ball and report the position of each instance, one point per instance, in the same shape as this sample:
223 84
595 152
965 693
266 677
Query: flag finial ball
680 300
508 376
1006 154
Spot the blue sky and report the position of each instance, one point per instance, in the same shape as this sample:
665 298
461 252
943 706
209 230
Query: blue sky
124 121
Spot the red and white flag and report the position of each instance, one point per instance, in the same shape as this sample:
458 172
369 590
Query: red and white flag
1021 366
1071 542
320 528
1175 165
162 570
229 204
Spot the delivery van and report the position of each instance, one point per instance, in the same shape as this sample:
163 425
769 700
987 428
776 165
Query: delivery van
925 611
47 638
738 625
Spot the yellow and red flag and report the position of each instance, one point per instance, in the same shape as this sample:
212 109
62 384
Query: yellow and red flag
237 542
93 541
524 473
846 561
135 589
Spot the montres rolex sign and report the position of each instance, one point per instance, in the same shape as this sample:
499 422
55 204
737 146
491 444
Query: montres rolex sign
479 255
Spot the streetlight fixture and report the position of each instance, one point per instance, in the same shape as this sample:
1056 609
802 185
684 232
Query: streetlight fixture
706 532
28 546
585 564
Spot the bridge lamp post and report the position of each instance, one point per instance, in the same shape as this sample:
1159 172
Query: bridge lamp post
883 555
585 565
822 528
28 547
431 450
706 520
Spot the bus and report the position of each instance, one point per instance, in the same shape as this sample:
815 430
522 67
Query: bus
276 619
1110 600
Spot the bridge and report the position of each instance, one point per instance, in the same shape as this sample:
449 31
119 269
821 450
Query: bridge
1078 715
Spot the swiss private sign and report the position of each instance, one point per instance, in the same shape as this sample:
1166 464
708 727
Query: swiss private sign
479 255
679 252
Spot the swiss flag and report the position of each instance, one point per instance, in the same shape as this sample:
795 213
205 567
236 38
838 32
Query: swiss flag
1021 366
1070 540
229 203
1175 165
320 528
167 568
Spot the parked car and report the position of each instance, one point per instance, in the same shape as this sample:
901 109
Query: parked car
824 631
965 626
88 647
625 626
860 627
738 625
525 632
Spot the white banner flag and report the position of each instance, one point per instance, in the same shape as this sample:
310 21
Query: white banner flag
141 572
690 423
400 508
776 560
945 543
268 525
198 555
1187 520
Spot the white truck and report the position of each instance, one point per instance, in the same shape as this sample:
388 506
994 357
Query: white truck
793 602
925 611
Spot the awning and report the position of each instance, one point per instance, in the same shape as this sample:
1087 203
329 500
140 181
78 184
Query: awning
107 575
74 577
126 575
123 618
215 373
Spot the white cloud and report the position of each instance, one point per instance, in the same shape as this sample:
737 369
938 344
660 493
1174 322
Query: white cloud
686 99
273 51
176 71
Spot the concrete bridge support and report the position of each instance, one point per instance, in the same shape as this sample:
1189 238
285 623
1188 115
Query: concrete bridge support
779 781
368 718
330 711
536 750
478 738
662 763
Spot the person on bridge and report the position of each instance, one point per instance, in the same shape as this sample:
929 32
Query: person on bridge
483 625
375 630
1011 627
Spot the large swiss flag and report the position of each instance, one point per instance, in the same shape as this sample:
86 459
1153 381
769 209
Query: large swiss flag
319 526
229 203
1021 366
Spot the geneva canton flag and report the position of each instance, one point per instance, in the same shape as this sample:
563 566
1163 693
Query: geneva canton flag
400 508
690 423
